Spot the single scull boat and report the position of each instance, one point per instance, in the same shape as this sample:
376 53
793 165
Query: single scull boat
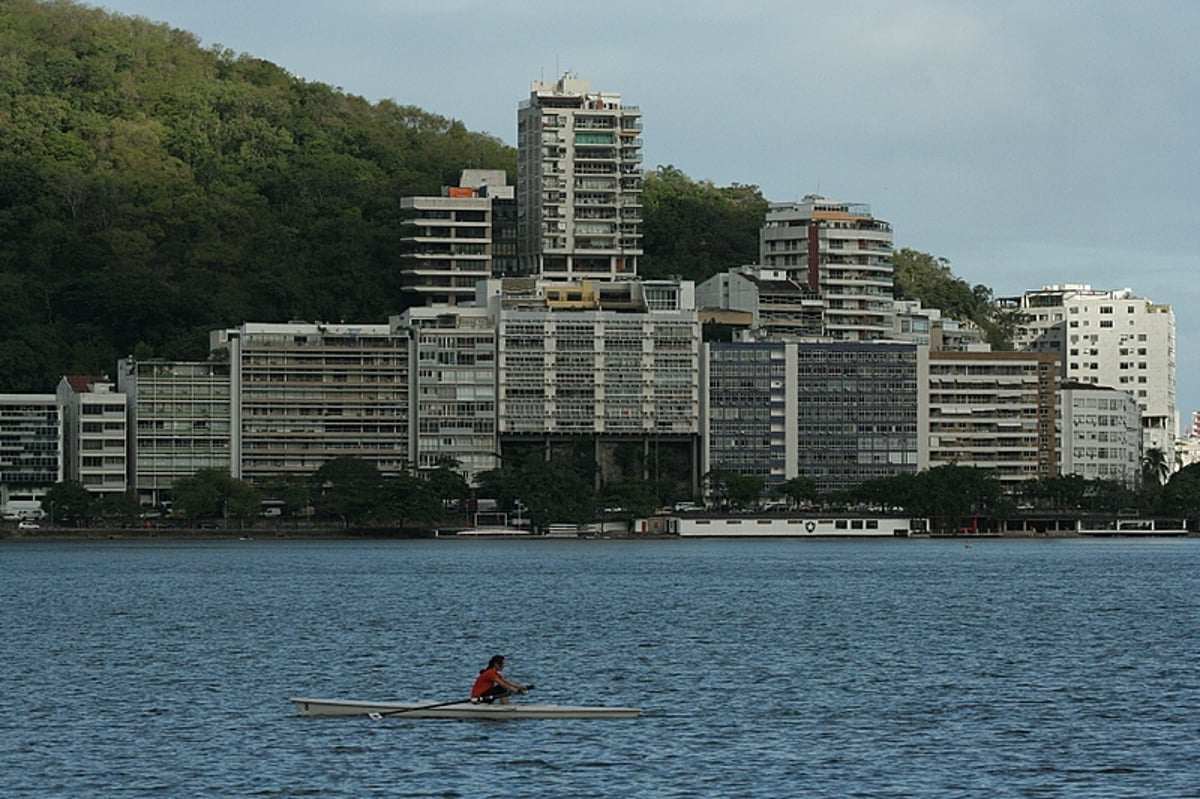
458 710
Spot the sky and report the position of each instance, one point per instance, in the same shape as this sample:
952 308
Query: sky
1029 143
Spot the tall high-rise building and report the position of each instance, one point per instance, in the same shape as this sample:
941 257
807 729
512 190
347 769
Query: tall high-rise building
1108 338
579 183
841 251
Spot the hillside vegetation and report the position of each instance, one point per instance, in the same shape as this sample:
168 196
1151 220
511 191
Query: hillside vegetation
152 190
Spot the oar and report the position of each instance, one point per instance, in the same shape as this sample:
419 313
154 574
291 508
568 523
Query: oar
378 716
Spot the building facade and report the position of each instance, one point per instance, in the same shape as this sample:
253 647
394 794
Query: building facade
1108 338
859 411
745 420
95 434
180 421
994 411
1100 433
306 393
31 451
835 412
840 251
453 396
453 241
579 183
610 364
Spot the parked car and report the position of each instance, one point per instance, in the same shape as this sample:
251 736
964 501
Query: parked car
28 525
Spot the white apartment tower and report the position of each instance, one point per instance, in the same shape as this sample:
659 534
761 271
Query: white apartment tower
95 433
453 397
1100 434
579 183
841 251
1108 338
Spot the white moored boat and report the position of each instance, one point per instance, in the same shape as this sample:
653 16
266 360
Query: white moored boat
458 710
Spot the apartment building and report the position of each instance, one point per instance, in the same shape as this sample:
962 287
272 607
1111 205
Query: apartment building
454 240
859 411
453 395
744 410
1100 433
579 183
838 413
995 411
180 421
929 327
1109 338
840 251
606 362
779 306
31 451
305 393
95 433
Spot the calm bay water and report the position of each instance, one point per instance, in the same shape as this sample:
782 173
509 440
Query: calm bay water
766 668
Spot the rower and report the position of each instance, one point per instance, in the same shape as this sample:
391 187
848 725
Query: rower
491 685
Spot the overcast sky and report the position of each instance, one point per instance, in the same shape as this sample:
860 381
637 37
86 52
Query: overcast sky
1030 143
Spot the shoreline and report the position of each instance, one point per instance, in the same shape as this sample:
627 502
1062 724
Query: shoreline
330 534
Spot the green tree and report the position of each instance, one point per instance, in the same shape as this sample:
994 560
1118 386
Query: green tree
1181 495
695 229
1156 467
447 483
349 489
951 496
214 494
121 507
67 501
798 490
406 500
554 487
730 489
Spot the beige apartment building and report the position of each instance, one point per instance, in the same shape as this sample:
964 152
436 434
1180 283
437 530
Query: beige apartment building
306 393
994 411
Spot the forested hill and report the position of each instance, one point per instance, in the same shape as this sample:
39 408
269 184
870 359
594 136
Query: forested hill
152 190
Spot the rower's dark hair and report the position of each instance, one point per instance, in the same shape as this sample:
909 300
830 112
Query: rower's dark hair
493 663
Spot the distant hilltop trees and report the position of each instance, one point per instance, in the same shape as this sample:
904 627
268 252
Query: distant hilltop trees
152 190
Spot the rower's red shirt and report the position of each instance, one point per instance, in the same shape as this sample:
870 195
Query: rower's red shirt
486 679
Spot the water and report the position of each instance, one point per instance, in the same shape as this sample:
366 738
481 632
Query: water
766 668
